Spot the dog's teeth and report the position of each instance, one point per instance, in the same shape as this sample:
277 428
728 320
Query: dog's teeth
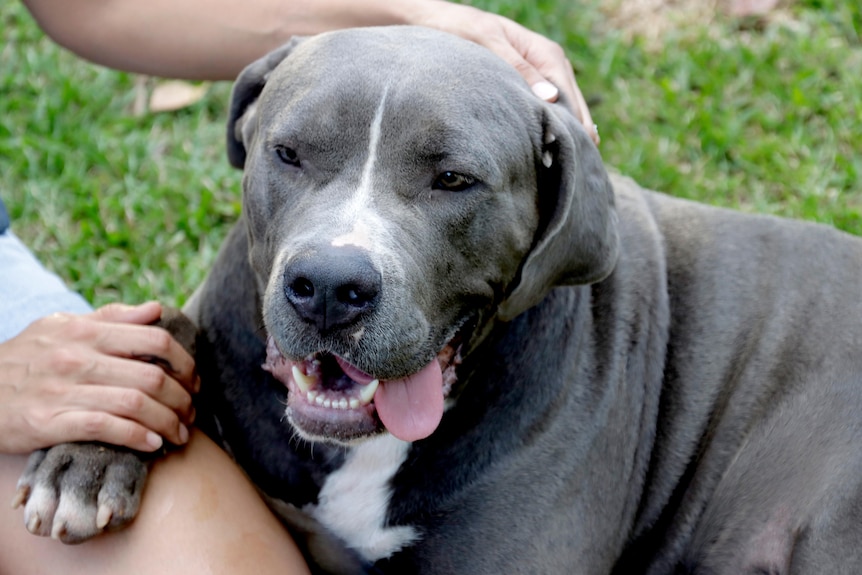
547 158
320 399
302 381
367 393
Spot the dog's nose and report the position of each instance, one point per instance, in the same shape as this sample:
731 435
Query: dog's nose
331 288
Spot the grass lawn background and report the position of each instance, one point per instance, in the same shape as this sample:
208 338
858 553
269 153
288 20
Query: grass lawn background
762 114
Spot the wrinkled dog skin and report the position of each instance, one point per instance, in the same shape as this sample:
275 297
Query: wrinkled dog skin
442 339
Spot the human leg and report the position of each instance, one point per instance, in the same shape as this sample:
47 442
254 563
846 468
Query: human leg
199 514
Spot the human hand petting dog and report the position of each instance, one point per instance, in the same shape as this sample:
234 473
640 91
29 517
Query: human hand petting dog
541 62
105 376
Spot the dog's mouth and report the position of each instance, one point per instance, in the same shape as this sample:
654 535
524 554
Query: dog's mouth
331 399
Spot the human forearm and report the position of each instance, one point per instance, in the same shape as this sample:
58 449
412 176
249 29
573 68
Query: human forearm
199 39
215 39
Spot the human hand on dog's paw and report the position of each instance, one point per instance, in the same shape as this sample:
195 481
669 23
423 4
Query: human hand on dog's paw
105 376
74 491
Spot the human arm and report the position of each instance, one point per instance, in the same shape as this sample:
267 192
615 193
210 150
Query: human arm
215 39
83 378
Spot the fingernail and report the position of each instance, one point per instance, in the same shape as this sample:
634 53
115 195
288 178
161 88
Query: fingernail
545 90
184 433
154 440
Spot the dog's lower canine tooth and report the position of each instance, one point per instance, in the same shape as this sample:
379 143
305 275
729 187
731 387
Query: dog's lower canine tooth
367 393
302 381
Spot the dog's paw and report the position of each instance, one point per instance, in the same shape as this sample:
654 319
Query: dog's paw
74 491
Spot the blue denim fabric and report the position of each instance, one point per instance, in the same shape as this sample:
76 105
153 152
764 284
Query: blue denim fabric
28 291
4 217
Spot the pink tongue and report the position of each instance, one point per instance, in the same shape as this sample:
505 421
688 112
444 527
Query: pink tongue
411 408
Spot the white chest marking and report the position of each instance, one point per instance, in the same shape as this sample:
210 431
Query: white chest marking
354 499
356 213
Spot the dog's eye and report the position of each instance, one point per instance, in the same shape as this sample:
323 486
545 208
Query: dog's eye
453 182
287 155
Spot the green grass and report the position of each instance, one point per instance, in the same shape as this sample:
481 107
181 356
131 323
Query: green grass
763 118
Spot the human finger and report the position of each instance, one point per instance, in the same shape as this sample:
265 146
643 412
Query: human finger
106 428
537 81
99 401
148 378
546 60
79 377
79 349
153 345
540 61
119 330
142 314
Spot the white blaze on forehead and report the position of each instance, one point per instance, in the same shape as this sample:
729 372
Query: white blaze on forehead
356 212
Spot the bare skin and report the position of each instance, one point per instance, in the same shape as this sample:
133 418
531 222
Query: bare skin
199 514
215 39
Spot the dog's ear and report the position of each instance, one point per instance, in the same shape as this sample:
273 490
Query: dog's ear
577 240
249 84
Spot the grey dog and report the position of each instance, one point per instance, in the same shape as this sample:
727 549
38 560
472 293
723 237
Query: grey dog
442 339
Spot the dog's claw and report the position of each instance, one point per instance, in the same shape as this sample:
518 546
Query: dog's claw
103 516
21 496
34 524
59 531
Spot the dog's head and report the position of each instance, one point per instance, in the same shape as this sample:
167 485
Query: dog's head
402 189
